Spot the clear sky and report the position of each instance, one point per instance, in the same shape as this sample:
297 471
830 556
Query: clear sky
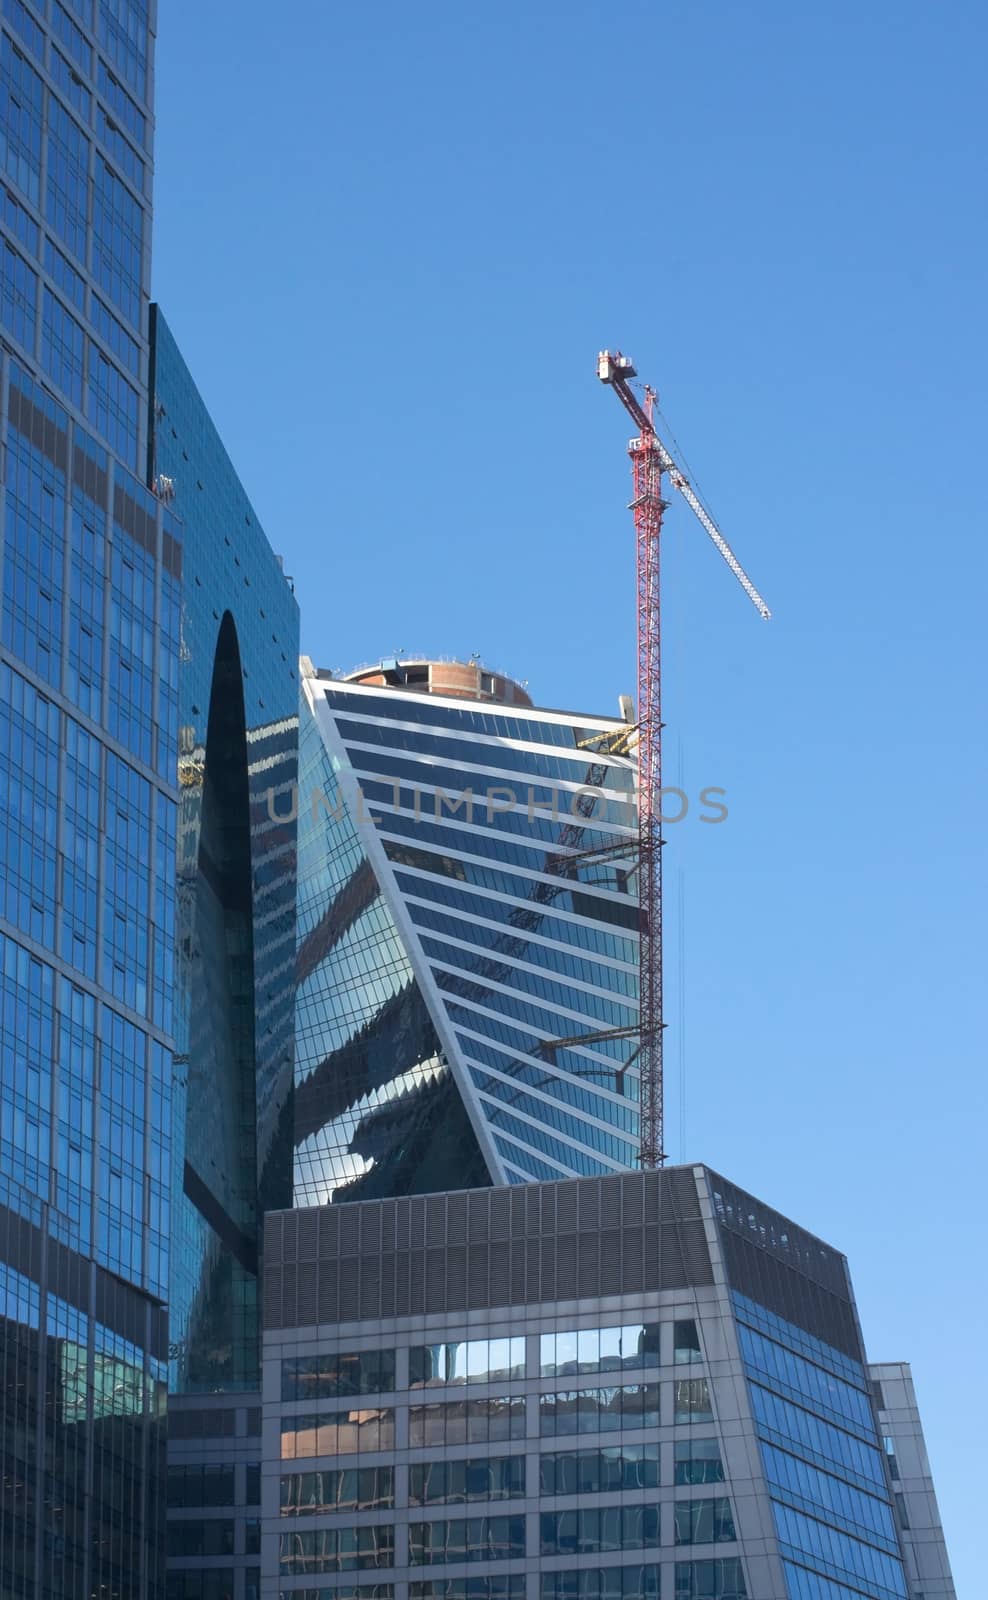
391 239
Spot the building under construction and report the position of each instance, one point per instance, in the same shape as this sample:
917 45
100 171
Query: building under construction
468 935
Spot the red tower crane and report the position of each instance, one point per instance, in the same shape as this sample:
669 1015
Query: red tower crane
649 460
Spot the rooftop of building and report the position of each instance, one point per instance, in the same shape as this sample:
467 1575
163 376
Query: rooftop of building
445 675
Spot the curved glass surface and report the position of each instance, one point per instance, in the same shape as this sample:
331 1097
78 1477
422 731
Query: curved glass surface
236 697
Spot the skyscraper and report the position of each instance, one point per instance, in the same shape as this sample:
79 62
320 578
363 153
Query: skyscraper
132 622
88 726
644 1386
235 918
468 935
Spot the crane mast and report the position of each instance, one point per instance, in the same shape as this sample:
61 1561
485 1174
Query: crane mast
649 459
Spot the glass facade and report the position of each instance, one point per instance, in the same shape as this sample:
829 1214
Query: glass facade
91 573
467 944
812 1405
237 728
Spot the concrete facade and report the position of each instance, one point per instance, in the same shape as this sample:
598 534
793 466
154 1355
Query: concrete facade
921 1532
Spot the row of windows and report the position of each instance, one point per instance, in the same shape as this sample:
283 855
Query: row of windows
466 1361
211 1537
602 1583
337 1489
467 1421
112 403
558 1082
563 929
457 1482
495 1586
804 1381
634 1406
336 1549
609 1349
466 1539
598 1528
623 1466
475 752
359 1591
334 1377
720 1579
704 1521
862 1514
565 894
781 1422
612 1469
835 1554
493 724
711 1580
338 1433
786 1333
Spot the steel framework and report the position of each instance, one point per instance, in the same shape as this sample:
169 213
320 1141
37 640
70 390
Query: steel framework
649 459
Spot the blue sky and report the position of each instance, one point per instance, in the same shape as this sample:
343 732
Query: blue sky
391 240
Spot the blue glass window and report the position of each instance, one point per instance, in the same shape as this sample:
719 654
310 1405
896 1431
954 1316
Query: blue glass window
113 406
127 160
65 276
72 37
126 887
122 105
81 834
62 347
808 1489
466 1361
71 85
34 548
67 193
803 1381
18 220
24 24
18 296
123 32
783 1423
26 1011
118 241
835 1555
21 99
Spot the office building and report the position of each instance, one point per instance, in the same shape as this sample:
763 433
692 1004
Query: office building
468 935
89 646
638 1385
134 622
235 935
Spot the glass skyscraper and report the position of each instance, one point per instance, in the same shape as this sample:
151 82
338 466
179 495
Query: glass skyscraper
137 625
89 645
468 936
238 737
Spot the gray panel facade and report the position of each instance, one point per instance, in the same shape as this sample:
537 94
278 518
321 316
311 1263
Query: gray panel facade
607 1387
